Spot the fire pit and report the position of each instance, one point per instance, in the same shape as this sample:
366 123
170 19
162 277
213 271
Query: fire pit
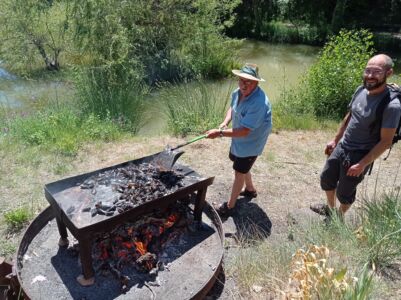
74 204
70 203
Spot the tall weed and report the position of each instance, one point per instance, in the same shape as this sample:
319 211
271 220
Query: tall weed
381 225
112 92
363 287
279 32
194 107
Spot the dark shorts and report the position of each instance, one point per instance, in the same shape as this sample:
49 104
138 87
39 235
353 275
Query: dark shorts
242 164
334 174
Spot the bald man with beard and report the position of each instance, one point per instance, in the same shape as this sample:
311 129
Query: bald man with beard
359 140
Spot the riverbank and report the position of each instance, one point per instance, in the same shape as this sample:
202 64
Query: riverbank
286 176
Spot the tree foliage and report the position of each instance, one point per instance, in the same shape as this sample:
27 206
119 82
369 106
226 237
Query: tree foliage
157 39
34 32
312 21
333 79
327 88
160 39
252 15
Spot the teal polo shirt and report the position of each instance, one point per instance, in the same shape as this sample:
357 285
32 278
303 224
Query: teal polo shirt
253 112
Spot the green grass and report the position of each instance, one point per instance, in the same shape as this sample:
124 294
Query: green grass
112 93
17 218
7 249
195 107
363 288
362 253
287 120
61 131
381 223
261 263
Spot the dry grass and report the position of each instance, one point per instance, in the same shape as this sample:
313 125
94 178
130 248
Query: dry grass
286 176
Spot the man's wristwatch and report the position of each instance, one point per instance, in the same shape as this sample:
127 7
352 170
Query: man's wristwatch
221 132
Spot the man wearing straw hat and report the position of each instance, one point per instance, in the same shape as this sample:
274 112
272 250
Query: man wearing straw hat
250 113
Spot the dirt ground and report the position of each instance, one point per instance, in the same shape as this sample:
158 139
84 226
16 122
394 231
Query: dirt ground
286 176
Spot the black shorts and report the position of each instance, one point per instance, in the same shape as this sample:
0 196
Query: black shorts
334 174
242 164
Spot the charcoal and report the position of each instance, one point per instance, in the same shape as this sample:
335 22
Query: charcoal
86 209
135 184
93 212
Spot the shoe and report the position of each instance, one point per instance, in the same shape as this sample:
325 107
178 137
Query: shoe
333 215
249 194
321 209
223 210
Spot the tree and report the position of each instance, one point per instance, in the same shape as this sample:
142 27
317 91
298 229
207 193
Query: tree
159 38
251 15
33 32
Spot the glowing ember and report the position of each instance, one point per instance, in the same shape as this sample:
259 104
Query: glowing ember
136 244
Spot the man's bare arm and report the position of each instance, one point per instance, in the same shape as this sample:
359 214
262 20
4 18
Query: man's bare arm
230 132
340 132
386 139
227 119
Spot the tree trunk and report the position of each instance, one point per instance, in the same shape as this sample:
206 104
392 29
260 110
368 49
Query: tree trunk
51 65
337 20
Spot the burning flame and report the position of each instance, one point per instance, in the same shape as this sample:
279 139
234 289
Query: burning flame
171 220
135 243
140 247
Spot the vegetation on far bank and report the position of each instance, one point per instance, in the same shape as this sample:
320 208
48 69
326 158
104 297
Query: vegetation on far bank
314 22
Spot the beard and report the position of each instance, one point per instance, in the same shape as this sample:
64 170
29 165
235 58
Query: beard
374 85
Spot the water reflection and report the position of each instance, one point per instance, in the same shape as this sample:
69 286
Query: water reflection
18 93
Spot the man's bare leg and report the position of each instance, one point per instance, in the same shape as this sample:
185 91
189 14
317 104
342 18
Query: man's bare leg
239 181
344 207
331 198
248 182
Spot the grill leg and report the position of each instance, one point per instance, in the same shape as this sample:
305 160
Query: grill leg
85 254
199 204
62 229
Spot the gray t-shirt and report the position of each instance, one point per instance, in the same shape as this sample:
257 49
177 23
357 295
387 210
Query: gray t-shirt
359 135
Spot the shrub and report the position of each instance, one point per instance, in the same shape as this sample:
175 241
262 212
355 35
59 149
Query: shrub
327 88
162 39
334 78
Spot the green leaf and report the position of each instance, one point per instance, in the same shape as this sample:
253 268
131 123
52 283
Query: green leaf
341 274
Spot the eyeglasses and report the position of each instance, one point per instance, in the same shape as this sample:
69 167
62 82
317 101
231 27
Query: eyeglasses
373 72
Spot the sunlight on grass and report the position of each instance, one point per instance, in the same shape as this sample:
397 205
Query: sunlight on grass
17 218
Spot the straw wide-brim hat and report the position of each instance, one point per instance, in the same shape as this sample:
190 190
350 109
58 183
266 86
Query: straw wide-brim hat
249 71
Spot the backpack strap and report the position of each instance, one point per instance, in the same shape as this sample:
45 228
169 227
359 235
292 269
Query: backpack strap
380 110
393 91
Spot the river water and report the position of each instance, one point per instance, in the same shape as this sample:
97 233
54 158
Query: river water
280 65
